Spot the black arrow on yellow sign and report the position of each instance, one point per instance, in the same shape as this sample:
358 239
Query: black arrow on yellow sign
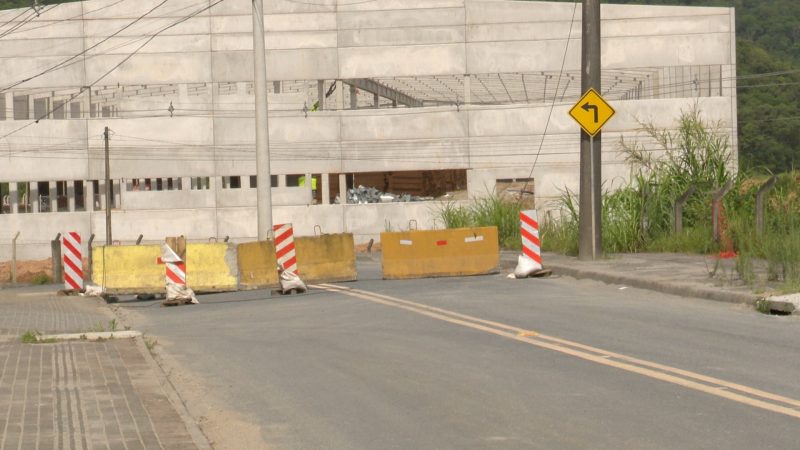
587 106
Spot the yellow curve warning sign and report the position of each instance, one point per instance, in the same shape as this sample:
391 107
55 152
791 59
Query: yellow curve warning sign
592 112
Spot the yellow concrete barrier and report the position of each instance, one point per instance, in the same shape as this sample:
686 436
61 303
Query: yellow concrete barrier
439 253
326 258
133 269
212 267
130 269
257 265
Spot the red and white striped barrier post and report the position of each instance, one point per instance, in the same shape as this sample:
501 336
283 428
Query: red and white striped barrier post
175 276
529 229
73 261
284 247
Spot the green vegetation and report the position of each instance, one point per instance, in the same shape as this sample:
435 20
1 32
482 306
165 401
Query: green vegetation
767 41
486 212
33 337
41 278
639 216
150 343
30 337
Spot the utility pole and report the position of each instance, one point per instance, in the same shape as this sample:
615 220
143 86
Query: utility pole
590 245
109 197
263 178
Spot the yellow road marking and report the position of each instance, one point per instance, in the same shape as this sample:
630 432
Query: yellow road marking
680 377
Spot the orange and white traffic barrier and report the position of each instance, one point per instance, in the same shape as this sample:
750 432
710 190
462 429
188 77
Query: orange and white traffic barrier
175 276
73 261
530 261
529 229
284 247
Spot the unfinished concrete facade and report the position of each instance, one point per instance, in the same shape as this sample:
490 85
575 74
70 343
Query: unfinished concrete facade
356 87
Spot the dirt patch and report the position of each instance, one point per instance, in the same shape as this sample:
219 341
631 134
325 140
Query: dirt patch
27 271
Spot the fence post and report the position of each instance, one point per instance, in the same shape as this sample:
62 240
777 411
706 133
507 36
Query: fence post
762 192
677 223
716 208
90 258
14 259
55 249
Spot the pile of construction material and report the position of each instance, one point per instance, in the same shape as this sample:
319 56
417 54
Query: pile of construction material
361 195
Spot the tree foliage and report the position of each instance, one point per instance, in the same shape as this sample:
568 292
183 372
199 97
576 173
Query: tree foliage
768 41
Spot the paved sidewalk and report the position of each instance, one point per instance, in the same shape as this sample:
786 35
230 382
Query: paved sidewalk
686 275
78 394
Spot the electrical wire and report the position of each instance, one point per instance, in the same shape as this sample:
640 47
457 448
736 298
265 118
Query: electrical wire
72 58
125 59
552 105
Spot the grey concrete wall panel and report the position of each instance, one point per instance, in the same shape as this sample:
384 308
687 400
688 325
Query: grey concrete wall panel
523 56
156 224
13 70
296 6
401 36
390 5
501 11
49 150
680 50
391 61
143 200
149 69
385 155
404 124
56 46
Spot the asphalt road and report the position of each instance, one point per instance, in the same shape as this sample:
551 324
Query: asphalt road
490 362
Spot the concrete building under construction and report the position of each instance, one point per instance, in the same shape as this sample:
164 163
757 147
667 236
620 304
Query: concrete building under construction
422 97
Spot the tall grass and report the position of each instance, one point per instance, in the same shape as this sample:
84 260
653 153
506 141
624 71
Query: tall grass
639 215
485 212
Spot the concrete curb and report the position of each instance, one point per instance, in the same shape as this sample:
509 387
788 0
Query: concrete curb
90 336
667 287
198 437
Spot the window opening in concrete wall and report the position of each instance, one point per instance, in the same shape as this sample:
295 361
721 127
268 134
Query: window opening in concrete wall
43 195
273 181
410 185
113 200
516 190
93 110
5 199
135 185
148 184
293 180
80 196
62 196
74 110
3 106
232 182
159 184
23 197
106 111
21 107
41 108
201 183
96 188
59 110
